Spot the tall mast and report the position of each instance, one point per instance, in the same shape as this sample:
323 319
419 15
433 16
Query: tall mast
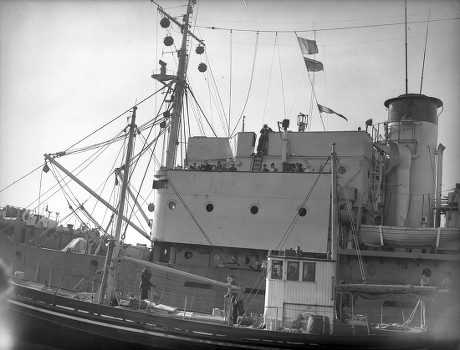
334 206
108 278
405 41
179 91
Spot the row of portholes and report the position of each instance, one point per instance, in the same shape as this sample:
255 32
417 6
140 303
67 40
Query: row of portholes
254 208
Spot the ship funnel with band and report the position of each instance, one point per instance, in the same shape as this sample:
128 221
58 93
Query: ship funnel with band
412 131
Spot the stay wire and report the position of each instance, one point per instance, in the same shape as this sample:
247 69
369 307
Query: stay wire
117 117
281 76
269 80
250 83
296 216
330 28
230 83
189 211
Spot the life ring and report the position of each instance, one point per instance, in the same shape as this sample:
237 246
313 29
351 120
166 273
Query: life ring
26 216
83 227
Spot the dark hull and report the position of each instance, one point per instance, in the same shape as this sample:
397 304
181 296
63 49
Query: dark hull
52 320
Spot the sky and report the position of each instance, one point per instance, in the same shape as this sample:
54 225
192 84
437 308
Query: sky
68 67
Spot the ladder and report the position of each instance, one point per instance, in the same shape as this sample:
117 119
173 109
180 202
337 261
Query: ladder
257 162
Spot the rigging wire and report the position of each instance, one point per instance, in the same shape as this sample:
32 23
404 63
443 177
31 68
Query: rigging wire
424 51
22 177
296 216
328 29
269 80
281 76
191 92
117 117
219 103
354 233
188 210
316 99
250 84
230 83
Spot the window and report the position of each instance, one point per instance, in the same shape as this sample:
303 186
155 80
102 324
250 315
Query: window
172 205
309 271
165 254
293 271
254 209
302 211
277 269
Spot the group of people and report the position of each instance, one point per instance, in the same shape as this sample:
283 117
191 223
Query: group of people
272 169
219 166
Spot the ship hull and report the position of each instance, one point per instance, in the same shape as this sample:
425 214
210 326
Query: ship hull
52 320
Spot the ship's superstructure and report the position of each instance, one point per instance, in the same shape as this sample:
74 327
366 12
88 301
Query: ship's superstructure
219 220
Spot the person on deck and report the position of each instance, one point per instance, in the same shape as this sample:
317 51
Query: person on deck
263 139
193 166
234 298
206 166
218 166
145 284
273 168
426 274
264 168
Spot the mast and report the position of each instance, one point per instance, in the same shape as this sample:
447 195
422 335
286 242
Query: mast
108 277
334 211
405 41
179 91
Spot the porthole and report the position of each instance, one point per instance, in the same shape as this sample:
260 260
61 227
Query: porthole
94 262
254 209
209 207
188 255
342 169
172 205
302 211
246 260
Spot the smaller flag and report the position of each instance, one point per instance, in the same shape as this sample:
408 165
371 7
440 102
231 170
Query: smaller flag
323 109
308 47
312 65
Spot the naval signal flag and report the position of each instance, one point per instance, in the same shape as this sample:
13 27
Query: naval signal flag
323 109
312 65
308 47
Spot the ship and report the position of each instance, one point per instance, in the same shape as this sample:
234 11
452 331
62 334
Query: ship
253 223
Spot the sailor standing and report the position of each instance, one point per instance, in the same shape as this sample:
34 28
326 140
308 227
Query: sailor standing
145 284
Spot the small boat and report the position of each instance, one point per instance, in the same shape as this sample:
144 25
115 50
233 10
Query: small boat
50 316
410 237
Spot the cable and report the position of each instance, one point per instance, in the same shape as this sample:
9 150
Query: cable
328 29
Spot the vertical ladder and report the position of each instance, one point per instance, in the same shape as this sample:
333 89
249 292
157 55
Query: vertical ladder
257 162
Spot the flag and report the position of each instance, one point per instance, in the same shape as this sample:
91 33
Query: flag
308 47
323 109
312 65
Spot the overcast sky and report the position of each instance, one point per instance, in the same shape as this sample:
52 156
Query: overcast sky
67 67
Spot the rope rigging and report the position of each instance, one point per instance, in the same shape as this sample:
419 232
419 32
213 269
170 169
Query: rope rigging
296 216
250 84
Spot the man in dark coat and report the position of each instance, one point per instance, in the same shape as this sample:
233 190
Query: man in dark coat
145 284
